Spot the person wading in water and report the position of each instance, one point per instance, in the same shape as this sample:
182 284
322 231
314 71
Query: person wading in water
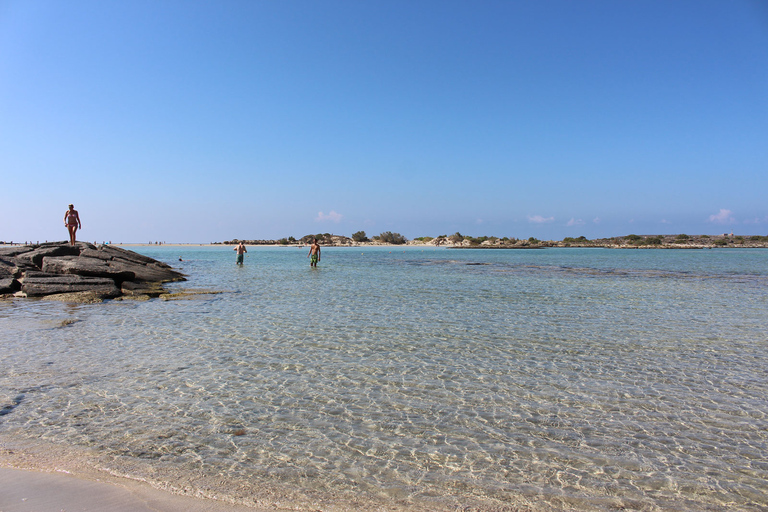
314 253
241 250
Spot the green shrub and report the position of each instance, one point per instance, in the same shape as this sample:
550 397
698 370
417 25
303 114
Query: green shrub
307 239
682 237
388 237
359 236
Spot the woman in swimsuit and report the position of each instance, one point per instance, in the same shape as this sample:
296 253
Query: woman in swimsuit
72 221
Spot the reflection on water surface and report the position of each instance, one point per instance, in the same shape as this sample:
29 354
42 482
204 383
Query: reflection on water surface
587 379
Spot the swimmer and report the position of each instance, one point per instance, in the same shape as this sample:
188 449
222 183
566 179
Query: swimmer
72 222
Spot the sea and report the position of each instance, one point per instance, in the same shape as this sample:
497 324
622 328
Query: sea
409 378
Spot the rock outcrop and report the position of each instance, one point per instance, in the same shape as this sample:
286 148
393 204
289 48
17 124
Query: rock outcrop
102 272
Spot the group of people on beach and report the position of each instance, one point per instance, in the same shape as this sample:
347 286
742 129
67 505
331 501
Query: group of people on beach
72 222
313 255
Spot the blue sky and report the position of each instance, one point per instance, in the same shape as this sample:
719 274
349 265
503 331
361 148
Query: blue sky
202 121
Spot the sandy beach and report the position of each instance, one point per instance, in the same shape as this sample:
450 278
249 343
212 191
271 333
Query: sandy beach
27 491
50 478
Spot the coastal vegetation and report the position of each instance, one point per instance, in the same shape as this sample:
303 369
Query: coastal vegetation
388 237
458 240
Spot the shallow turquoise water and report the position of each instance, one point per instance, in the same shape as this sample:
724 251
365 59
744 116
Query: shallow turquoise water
583 379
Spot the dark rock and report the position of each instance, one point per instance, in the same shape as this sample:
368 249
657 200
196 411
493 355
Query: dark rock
85 267
7 269
15 268
83 272
38 284
13 251
153 272
95 253
35 257
9 285
123 254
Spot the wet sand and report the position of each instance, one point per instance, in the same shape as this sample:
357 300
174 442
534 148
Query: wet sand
27 491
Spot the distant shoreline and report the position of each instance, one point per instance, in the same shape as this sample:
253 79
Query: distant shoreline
457 241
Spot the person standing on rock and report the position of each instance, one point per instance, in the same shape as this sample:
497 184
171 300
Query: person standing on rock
241 250
72 221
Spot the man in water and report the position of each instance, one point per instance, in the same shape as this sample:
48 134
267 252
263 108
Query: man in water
72 221
314 253
241 250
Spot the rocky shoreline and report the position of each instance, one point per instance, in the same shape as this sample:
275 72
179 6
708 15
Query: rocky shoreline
82 272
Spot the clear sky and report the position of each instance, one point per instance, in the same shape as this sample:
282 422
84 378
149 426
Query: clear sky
202 121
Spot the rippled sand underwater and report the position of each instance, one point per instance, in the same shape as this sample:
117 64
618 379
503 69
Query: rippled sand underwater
586 379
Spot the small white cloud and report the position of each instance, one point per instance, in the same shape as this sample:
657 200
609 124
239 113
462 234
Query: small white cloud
538 219
479 221
722 217
332 216
665 221
574 222
757 220
596 220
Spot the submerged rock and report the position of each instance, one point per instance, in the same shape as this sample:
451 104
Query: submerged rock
86 270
